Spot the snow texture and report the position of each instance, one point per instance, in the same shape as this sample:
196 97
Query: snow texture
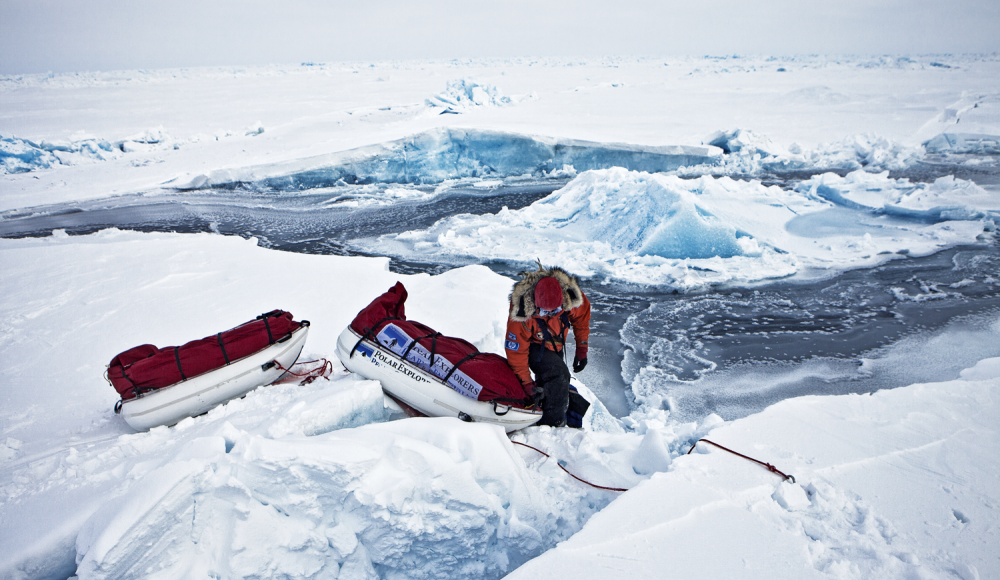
292 479
886 486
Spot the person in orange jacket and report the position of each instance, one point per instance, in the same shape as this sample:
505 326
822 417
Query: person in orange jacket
544 306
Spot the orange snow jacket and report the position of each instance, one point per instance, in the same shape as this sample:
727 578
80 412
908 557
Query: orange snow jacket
522 333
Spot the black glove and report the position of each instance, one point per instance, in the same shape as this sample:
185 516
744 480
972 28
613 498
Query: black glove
536 393
579 364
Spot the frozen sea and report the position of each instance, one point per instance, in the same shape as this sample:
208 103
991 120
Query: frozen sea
704 351
796 257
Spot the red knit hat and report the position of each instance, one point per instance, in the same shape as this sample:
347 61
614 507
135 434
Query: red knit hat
548 293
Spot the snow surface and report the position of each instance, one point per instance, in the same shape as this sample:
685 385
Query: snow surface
326 479
897 484
311 481
410 498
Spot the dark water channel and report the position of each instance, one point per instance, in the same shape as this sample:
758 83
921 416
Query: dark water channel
732 351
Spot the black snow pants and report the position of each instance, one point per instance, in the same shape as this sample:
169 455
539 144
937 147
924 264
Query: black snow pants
552 375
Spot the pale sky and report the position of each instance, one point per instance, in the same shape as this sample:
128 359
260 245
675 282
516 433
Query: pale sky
88 35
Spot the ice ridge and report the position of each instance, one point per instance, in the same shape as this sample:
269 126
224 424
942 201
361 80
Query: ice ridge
447 153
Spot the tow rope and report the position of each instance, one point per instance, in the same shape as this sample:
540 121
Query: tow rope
562 466
769 467
308 376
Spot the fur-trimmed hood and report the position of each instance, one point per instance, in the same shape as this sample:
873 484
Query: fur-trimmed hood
522 297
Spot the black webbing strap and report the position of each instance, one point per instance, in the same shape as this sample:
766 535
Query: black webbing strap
222 347
135 388
270 337
506 401
128 378
434 345
524 403
370 333
458 364
547 336
406 352
177 357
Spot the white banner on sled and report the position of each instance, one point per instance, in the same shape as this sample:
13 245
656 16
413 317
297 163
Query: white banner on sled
394 339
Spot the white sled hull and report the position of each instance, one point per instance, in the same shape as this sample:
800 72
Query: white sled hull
200 394
421 390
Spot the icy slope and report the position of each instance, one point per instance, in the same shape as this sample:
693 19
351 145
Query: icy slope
898 484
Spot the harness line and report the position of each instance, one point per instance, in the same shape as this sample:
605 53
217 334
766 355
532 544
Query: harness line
559 462
769 467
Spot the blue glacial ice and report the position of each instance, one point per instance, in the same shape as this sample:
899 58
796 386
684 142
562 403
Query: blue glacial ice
441 154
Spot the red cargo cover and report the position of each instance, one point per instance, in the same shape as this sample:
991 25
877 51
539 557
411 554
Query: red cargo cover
146 368
490 371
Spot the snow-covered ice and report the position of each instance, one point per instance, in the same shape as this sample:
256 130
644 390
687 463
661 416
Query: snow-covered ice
78 481
897 484
671 167
340 490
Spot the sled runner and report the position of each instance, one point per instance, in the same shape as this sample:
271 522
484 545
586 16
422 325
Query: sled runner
430 374
163 386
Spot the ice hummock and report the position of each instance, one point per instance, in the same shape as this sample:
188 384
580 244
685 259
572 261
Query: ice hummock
462 94
975 143
690 234
62 297
22 155
747 152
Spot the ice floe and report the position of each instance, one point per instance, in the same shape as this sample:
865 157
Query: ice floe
690 234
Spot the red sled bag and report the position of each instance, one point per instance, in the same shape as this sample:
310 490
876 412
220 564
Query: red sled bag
457 363
147 368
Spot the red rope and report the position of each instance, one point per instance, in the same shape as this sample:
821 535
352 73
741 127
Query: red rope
769 467
312 375
560 464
